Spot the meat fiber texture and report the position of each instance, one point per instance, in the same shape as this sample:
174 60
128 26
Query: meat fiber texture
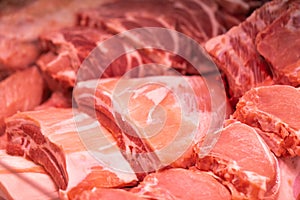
21 178
275 112
21 26
151 117
283 54
243 162
53 138
235 51
21 91
181 184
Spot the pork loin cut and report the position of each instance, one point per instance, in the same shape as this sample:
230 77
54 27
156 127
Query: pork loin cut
243 162
235 52
290 178
54 139
275 112
107 194
20 92
22 179
181 184
279 44
156 120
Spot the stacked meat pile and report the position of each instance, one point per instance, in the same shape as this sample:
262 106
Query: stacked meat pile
148 124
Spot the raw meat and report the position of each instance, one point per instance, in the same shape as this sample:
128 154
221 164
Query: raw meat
21 91
279 44
107 194
275 112
290 178
57 100
175 184
20 28
68 48
3 141
235 52
153 116
21 179
17 55
243 163
53 138
182 16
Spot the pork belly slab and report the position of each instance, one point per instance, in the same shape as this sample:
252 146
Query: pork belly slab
155 120
275 112
21 91
54 139
181 184
22 179
243 162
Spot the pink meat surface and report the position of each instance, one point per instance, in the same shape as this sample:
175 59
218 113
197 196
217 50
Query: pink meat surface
243 163
158 115
52 139
57 100
275 112
21 91
22 179
290 178
235 51
21 26
279 44
175 184
107 194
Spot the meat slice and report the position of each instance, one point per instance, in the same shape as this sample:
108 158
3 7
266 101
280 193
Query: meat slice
22 179
283 54
152 117
181 184
290 178
243 163
54 139
107 194
235 52
275 112
21 91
